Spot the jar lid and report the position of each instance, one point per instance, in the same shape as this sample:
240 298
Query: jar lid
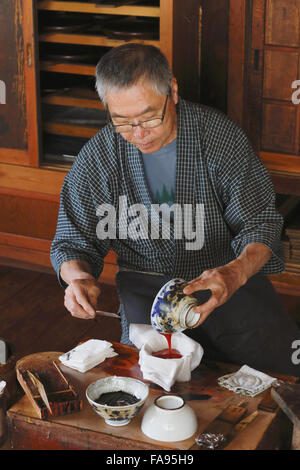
187 317
192 318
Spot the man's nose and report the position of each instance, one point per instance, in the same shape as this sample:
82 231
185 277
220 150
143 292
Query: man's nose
138 131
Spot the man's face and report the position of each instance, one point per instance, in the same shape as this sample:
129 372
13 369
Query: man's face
140 103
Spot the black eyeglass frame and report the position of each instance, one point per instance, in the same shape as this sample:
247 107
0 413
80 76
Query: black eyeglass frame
161 118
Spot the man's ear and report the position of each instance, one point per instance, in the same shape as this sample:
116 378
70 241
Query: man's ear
174 90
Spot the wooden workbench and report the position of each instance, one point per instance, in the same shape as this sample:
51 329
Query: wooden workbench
86 430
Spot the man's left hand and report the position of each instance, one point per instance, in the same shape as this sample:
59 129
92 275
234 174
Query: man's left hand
223 282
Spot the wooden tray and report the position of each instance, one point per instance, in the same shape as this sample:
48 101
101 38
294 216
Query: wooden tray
62 397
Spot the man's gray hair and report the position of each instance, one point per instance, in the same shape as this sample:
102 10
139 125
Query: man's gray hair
125 65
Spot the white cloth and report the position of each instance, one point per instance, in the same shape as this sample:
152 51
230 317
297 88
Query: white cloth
165 372
247 381
88 354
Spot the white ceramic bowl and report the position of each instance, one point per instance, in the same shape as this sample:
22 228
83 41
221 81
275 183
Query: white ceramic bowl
169 419
121 414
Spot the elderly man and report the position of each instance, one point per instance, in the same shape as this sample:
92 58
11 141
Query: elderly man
192 172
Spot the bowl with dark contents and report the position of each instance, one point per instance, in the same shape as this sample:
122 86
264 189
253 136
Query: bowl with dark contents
117 399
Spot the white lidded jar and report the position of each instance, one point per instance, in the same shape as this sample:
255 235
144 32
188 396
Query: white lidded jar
172 310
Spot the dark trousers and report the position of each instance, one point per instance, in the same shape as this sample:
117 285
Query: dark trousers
251 328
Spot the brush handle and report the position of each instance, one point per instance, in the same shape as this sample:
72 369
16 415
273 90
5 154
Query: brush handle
100 313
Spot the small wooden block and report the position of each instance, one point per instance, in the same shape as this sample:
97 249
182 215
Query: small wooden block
268 403
232 414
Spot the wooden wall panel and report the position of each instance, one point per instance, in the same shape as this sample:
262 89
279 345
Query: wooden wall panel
19 114
279 128
187 48
283 22
213 27
13 131
27 216
34 253
238 15
37 183
280 70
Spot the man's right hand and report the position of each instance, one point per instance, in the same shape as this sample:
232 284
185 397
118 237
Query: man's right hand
81 298
82 293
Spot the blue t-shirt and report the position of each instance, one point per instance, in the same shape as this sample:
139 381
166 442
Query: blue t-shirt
160 170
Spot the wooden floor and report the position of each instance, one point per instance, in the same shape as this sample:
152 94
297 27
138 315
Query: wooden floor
33 317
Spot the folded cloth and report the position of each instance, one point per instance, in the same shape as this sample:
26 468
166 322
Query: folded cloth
164 372
247 381
88 354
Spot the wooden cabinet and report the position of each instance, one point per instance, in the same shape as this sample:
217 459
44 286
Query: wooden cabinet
30 182
18 108
264 63
274 121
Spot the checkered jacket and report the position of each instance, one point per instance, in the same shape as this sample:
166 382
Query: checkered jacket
216 166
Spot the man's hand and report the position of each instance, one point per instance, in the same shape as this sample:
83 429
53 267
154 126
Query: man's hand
82 293
224 281
81 298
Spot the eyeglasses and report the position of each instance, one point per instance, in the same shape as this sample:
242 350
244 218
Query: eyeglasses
149 124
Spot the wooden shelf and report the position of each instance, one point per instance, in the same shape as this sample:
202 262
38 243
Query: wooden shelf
90 40
68 129
80 7
77 69
75 97
57 166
